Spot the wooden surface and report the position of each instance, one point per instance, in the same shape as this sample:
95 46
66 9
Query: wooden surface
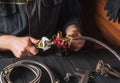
110 30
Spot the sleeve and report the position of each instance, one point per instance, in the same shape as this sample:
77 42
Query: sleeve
70 13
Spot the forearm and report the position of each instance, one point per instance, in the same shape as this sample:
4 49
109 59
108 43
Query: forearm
5 42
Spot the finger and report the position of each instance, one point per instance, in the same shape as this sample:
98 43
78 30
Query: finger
20 54
33 50
115 19
33 40
77 44
28 53
110 10
107 4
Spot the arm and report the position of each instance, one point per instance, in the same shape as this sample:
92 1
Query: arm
20 46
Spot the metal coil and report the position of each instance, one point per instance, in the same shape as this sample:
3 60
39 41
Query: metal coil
32 66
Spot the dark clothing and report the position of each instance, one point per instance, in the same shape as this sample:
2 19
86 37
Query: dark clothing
38 18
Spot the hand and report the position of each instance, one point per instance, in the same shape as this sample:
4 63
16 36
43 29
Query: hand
74 45
113 9
22 46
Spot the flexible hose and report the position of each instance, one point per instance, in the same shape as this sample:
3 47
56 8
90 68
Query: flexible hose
100 43
29 64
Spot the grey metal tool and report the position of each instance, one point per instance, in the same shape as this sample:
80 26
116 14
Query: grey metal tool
106 69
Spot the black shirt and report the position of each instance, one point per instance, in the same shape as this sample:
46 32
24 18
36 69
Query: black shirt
37 18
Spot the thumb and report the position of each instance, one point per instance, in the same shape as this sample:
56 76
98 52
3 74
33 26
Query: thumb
33 40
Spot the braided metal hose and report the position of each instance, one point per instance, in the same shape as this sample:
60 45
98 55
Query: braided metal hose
98 42
29 64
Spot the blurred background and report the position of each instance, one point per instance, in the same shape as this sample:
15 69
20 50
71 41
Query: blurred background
96 24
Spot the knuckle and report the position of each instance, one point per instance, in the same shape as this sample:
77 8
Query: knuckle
22 50
27 37
19 55
33 50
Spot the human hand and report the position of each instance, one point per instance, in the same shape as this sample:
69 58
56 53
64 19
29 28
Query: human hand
22 46
113 9
74 45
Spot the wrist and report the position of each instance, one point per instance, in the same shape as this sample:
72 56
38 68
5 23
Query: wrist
6 42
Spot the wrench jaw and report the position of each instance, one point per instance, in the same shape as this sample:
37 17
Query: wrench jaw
106 70
101 68
43 44
58 43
